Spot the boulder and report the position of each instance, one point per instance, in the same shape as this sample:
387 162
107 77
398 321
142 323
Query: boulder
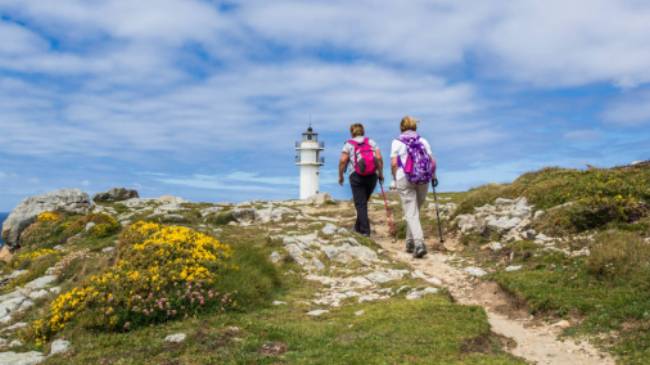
116 195
64 200
21 358
59 347
176 338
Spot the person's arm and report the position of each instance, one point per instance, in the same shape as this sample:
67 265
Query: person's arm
393 167
343 165
393 160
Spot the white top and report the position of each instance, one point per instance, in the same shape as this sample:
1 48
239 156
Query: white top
349 149
398 148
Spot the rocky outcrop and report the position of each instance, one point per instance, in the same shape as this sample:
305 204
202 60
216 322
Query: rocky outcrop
510 218
65 200
116 195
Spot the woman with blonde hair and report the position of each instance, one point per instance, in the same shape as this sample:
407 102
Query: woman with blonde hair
412 167
367 167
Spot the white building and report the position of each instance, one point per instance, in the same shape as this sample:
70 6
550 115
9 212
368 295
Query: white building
308 158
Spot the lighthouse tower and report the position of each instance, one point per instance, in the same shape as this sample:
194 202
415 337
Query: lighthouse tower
308 158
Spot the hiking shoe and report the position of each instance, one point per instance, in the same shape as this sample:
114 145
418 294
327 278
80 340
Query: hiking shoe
410 246
419 252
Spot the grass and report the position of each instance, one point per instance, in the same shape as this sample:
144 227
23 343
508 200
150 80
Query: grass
397 331
554 285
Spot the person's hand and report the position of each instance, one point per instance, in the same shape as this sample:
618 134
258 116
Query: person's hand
393 185
341 180
381 179
434 182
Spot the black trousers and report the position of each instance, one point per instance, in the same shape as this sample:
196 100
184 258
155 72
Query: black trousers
362 188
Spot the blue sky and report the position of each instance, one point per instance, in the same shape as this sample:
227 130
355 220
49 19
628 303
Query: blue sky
204 99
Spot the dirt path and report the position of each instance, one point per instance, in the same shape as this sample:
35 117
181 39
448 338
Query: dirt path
536 342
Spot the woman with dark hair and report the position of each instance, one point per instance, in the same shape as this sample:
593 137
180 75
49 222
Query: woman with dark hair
367 168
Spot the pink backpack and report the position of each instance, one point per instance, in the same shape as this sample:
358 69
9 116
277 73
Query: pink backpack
364 158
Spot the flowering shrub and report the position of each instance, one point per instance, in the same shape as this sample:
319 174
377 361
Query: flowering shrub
163 272
105 225
21 258
48 217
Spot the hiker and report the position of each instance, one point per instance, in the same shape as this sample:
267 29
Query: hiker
413 167
367 167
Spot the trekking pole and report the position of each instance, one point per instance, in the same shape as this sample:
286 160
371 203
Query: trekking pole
435 198
389 216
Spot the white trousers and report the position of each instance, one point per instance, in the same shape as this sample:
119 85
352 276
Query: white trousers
412 196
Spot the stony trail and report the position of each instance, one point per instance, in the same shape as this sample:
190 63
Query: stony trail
534 341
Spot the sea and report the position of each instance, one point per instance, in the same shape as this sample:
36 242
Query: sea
3 216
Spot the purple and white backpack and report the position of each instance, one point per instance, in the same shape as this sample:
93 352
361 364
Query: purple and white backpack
419 168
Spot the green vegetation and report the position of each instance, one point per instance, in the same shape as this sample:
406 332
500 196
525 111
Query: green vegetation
397 331
577 200
96 312
603 212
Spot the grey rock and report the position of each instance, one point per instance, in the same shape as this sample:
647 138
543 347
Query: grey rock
108 249
38 294
503 201
59 347
381 277
475 271
417 294
317 312
359 312
275 257
329 229
15 343
210 210
65 200
89 226
21 358
41 282
15 326
116 195
16 273
495 246
176 338
279 302
512 268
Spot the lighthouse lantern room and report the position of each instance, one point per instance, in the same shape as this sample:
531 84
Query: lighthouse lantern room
308 157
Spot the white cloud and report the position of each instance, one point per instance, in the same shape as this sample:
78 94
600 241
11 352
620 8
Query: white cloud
548 43
237 182
224 111
630 110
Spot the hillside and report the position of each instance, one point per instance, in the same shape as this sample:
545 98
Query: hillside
124 280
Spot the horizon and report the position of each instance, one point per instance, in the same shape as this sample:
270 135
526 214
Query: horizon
204 99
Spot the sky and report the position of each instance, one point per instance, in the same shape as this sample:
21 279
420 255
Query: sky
204 99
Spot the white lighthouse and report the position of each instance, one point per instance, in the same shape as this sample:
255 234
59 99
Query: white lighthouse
308 158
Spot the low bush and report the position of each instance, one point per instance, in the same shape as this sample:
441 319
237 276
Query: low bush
220 219
162 273
618 255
